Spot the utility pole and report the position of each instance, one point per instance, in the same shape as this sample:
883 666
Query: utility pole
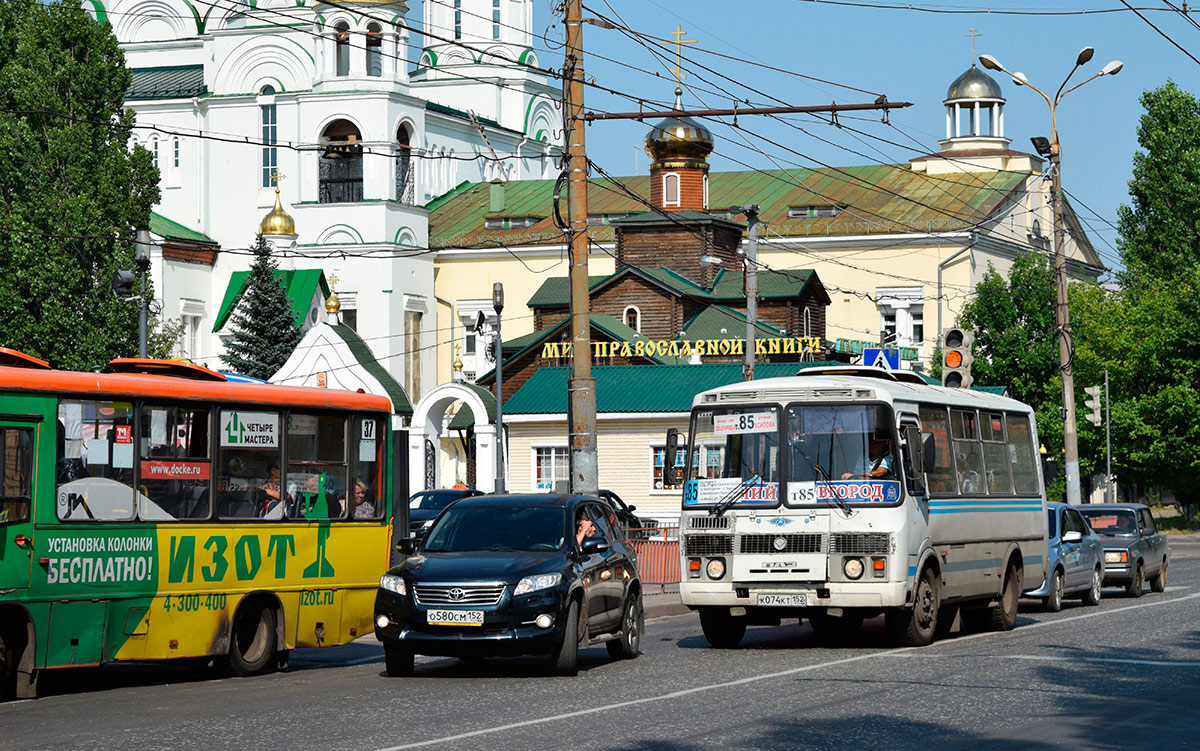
751 212
1110 495
141 251
581 389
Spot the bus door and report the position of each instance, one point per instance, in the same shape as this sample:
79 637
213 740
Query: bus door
17 441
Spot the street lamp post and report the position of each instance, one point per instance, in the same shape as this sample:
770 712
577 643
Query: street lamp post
498 306
141 255
1061 314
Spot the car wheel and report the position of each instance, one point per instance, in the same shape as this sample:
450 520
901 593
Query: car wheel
565 658
1158 582
252 640
1091 595
1134 587
397 660
1053 601
633 623
722 630
915 626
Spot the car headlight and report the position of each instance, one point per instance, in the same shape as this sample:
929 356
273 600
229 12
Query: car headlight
534 583
393 583
715 568
1116 556
853 568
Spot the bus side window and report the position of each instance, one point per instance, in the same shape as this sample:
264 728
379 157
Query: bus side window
174 469
995 454
942 480
247 484
317 467
16 474
95 461
1021 455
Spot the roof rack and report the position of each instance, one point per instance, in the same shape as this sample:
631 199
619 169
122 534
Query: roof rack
16 359
863 371
175 368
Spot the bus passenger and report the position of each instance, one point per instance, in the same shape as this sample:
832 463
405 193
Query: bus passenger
360 507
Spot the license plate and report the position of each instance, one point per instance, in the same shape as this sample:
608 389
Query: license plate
455 617
783 601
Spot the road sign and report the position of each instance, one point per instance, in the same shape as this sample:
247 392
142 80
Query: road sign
885 359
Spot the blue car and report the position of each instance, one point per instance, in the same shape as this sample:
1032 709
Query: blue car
1076 559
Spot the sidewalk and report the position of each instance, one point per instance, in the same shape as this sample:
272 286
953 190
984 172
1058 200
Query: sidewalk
658 604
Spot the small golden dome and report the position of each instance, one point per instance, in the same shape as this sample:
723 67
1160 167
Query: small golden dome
278 222
678 141
332 303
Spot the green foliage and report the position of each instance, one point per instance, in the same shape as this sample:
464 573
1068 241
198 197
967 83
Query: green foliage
1013 321
1160 235
264 327
71 190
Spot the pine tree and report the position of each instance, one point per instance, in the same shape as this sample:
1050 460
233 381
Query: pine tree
264 327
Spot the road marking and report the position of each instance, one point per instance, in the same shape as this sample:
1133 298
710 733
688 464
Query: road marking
768 676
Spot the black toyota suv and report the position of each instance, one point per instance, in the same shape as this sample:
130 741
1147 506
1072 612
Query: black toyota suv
513 575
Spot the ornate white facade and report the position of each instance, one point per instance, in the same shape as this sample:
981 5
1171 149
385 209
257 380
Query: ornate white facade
325 96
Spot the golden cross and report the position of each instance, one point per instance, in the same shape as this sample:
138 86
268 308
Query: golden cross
679 41
973 32
333 280
276 176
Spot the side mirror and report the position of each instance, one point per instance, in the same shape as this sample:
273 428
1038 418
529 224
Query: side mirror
407 545
593 545
672 449
928 452
1072 536
631 509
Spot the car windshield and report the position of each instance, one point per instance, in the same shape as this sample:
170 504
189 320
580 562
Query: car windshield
432 500
474 528
1111 521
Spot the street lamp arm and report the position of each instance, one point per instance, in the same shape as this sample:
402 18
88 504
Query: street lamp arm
1059 95
1076 86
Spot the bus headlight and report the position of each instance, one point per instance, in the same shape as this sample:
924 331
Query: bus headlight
715 568
853 568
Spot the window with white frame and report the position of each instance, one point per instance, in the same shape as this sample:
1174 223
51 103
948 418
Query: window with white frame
374 50
671 189
191 312
348 313
706 192
341 38
633 318
458 19
706 460
901 315
495 19
549 467
270 134
656 468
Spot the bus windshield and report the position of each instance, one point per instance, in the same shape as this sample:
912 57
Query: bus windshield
734 448
841 453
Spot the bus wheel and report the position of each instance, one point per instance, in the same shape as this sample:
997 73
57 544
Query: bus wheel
915 627
252 643
722 630
1003 615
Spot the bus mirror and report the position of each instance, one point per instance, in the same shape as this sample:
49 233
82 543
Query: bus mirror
672 449
407 545
914 451
928 452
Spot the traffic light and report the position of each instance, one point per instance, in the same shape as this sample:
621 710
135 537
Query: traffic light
1093 403
957 358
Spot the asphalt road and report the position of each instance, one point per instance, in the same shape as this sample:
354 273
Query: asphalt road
1123 675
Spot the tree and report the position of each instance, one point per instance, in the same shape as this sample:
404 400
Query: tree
1159 233
72 192
264 327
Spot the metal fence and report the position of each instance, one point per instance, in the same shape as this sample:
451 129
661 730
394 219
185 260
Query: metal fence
657 554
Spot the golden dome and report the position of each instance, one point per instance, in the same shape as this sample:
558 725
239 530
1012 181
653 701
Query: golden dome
678 141
332 303
278 222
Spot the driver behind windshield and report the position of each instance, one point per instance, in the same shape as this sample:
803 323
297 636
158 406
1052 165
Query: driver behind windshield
879 465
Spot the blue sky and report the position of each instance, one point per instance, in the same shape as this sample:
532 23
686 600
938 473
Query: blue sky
905 54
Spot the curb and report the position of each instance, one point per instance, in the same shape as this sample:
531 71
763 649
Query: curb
659 606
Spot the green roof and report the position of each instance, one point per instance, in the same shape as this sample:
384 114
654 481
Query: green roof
464 417
170 230
300 285
556 291
400 402
638 388
167 82
709 322
877 199
443 109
